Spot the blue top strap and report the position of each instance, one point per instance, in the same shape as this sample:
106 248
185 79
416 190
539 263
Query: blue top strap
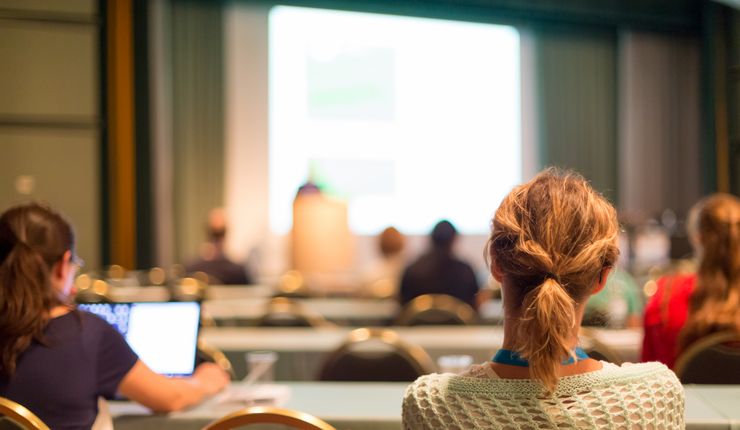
507 356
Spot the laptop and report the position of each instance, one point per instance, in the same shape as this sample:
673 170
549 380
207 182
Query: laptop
163 334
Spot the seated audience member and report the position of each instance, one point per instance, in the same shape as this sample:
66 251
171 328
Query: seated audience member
56 360
389 266
552 245
437 271
619 304
213 261
688 306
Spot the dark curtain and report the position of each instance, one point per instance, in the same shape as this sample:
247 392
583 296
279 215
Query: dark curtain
576 97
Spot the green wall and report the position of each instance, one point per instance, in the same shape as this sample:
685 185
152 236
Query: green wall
49 111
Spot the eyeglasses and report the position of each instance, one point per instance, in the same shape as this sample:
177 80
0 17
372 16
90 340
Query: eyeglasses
77 261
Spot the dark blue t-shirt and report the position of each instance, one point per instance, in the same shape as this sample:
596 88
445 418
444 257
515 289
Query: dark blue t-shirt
437 272
84 357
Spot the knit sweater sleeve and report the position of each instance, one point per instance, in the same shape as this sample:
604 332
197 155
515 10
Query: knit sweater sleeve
647 393
420 410
411 415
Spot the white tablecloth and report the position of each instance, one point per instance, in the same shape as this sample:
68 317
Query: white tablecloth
233 305
156 293
344 311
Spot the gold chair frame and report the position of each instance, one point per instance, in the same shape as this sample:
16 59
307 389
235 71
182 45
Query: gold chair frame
714 339
444 302
284 305
21 415
413 353
293 284
93 291
191 288
266 414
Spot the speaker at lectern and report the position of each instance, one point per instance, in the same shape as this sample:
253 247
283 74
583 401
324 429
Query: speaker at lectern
322 243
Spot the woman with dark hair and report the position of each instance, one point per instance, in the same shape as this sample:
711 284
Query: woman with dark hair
687 307
56 360
553 243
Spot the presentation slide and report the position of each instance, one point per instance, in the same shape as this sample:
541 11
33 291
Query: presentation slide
408 120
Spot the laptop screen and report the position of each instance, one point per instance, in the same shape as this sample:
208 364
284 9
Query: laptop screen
163 334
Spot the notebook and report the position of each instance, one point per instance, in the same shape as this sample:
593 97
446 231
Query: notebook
163 334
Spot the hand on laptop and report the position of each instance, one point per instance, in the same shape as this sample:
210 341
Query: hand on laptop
211 378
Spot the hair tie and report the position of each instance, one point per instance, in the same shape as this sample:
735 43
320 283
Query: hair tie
553 276
8 241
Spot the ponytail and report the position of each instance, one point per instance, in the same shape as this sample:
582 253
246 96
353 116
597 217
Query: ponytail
32 239
24 296
545 328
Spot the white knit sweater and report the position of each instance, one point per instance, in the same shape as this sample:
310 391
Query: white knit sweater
633 396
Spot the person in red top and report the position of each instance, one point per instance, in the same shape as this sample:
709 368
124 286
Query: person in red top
688 307
665 316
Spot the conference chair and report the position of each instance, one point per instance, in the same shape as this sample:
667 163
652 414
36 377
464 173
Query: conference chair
155 276
436 309
89 291
714 359
293 284
189 289
206 278
18 414
115 273
285 312
376 355
269 415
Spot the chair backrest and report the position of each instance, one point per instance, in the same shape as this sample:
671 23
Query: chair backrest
430 309
715 359
115 274
293 284
264 414
155 276
285 312
97 291
20 415
376 355
189 289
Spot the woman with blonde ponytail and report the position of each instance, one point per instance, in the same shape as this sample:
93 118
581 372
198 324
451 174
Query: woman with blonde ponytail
553 242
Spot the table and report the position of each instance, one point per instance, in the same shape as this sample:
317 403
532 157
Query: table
302 350
153 293
232 311
722 399
371 405
627 343
243 305
231 292
345 405
343 311
158 293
